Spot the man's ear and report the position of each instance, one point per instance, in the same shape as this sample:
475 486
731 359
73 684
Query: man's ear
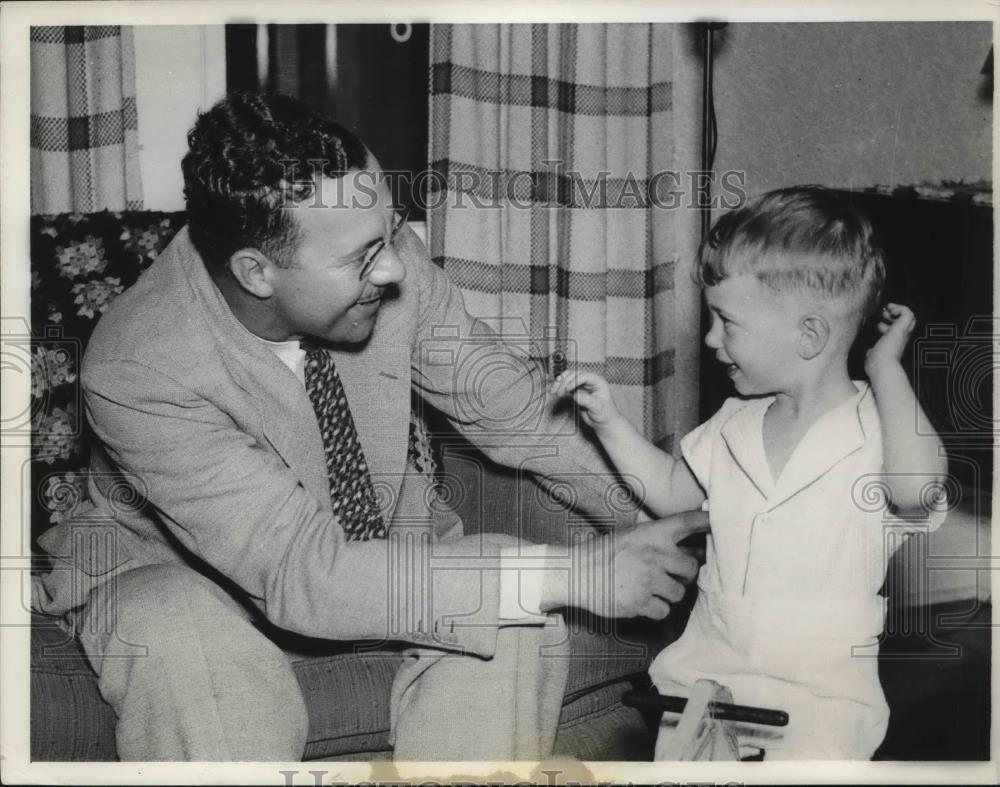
814 333
252 271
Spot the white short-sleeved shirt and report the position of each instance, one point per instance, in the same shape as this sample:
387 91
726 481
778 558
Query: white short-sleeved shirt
788 613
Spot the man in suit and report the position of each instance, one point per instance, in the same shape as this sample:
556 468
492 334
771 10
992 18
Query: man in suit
247 397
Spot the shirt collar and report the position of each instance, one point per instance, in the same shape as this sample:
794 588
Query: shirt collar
833 436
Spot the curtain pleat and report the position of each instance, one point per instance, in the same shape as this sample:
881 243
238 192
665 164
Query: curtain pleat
545 142
84 139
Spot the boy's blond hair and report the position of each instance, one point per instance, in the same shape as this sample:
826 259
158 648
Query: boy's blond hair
803 238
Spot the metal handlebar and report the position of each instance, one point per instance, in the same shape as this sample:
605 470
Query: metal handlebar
720 710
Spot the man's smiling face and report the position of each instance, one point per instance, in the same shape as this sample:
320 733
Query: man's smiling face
321 294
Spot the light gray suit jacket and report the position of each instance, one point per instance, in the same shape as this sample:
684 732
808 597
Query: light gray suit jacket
207 453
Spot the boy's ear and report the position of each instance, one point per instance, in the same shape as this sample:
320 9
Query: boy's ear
814 333
252 271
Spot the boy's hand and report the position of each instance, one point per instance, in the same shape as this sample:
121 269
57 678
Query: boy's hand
896 324
592 394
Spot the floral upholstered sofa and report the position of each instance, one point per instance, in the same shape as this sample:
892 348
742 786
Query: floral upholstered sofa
79 264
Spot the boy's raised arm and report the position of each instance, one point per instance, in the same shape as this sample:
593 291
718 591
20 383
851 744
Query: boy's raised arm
913 458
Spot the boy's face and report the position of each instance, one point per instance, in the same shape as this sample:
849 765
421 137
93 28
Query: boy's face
755 333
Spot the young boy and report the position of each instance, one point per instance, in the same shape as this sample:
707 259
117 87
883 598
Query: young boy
787 614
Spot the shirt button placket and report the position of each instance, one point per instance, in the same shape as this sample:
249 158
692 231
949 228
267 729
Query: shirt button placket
764 520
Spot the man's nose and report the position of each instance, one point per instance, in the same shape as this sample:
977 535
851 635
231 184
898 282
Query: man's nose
388 268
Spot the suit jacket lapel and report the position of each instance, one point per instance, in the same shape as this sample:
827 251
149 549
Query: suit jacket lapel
376 379
377 382
285 417
289 424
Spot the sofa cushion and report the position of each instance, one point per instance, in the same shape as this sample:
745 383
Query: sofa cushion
79 264
346 693
602 728
69 719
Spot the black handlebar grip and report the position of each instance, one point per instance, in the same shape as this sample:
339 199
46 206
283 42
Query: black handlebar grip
720 710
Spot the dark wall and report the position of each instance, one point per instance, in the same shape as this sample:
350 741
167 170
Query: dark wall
378 87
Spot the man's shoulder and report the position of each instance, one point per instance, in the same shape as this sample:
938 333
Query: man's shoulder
151 316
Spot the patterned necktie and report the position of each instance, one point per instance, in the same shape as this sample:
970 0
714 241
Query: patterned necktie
421 452
351 490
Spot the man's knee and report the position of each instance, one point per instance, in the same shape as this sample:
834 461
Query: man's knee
132 611
171 645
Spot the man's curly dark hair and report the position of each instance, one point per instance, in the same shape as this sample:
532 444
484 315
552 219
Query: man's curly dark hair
248 156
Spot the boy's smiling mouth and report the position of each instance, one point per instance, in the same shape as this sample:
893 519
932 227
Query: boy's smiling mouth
731 368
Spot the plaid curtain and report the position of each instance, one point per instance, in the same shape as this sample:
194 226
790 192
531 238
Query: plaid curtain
84 146
545 205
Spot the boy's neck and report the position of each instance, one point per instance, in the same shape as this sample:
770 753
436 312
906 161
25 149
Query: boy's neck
810 398
794 412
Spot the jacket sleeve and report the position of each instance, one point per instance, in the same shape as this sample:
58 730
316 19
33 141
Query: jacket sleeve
491 389
235 505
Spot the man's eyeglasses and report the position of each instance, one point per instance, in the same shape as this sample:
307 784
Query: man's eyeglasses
371 256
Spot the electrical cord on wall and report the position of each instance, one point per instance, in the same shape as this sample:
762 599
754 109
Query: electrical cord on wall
710 126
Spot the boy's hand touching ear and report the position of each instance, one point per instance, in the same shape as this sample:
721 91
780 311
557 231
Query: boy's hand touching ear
592 394
896 324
